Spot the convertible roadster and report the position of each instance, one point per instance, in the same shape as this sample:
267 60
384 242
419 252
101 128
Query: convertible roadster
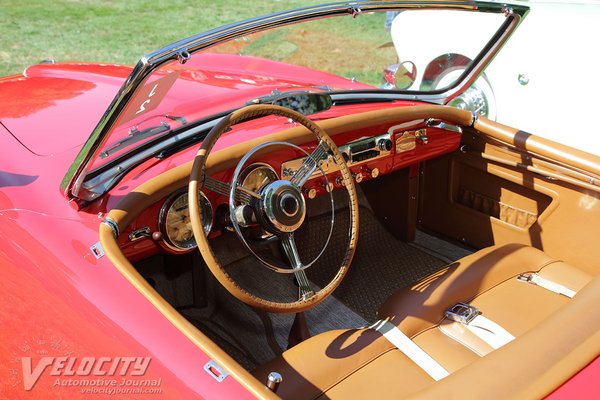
245 214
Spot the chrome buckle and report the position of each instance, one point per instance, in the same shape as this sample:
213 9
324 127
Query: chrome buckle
526 277
462 313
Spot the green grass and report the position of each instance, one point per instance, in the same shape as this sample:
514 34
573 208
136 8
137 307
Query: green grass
109 30
121 32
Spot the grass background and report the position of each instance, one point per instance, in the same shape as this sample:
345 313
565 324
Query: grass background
119 31
110 30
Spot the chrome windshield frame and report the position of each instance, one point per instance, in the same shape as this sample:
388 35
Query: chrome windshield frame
73 183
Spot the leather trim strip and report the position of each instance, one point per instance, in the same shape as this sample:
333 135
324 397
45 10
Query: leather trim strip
489 331
536 279
410 349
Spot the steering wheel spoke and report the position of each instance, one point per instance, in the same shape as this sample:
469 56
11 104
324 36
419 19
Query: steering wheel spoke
310 164
291 251
242 195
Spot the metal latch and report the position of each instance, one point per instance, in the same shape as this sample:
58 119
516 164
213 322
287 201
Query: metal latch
140 233
463 313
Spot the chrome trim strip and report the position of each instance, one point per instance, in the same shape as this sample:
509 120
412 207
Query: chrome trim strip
113 225
72 184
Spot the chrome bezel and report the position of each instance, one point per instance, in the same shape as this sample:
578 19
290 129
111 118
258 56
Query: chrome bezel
275 189
253 167
162 219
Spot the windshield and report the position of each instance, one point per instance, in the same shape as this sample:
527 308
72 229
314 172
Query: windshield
372 51
428 51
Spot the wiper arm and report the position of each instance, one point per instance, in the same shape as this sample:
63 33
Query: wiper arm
135 135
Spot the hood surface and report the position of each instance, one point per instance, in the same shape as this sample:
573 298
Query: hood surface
54 107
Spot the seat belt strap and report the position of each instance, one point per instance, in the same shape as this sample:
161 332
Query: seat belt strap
547 284
490 332
410 349
485 329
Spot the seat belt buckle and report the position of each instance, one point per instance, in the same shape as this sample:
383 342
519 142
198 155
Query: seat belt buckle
461 312
526 277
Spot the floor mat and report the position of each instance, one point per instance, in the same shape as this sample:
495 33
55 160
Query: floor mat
382 264
247 334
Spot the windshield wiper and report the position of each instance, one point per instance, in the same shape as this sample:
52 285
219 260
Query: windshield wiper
135 135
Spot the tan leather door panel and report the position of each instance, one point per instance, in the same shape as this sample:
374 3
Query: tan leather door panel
482 203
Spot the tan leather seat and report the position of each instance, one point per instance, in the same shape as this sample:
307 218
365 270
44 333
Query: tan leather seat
362 363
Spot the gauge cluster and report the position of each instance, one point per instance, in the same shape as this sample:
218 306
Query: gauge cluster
175 224
167 227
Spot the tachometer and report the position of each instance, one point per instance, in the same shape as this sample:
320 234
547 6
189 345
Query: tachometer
174 220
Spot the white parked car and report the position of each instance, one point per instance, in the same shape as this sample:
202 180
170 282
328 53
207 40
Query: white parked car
554 50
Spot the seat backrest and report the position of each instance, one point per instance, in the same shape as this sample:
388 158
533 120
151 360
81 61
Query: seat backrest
536 363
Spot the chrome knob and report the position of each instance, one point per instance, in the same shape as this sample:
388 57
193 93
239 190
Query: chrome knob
273 381
385 145
358 177
374 173
339 181
328 187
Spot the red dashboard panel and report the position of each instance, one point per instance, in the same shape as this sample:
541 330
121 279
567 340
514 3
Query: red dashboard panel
394 148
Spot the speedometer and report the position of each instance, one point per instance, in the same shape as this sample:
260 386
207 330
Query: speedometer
175 224
257 175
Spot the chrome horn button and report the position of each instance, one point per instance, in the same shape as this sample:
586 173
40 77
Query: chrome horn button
289 205
283 206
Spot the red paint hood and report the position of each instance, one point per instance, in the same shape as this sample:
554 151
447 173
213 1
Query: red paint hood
55 107
51 108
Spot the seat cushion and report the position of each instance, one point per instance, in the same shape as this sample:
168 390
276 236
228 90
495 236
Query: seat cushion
488 281
362 363
356 363
421 306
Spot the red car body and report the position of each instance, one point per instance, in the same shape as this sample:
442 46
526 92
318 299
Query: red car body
60 300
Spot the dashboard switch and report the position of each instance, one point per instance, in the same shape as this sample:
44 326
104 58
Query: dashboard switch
311 193
385 145
374 173
157 236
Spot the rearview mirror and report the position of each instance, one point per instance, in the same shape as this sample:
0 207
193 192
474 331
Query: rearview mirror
405 75
305 103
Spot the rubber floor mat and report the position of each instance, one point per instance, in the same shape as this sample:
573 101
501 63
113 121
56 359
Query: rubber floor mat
382 264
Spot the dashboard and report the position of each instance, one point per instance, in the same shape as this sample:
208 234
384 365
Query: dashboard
165 227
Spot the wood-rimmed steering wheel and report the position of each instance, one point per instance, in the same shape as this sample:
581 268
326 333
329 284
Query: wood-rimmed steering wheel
279 207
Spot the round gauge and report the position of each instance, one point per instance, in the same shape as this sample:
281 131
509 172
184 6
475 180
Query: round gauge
175 224
257 175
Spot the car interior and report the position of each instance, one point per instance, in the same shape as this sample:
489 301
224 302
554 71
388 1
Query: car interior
459 235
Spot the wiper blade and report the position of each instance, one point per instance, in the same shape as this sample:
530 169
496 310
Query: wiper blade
135 135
